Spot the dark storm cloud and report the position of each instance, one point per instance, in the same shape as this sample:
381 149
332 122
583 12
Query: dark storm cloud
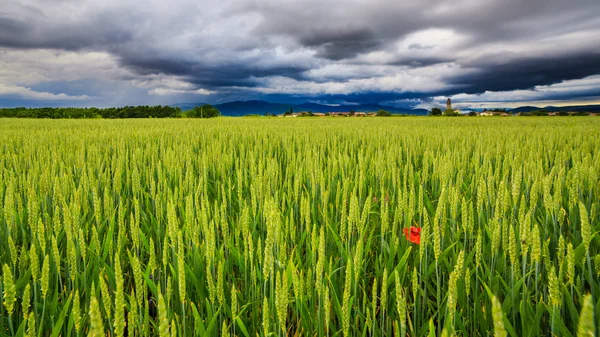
528 72
209 76
10 27
33 29
144 65
573 94
238 75
338 44
420 61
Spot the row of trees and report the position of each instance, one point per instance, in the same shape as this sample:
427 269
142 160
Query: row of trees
144 111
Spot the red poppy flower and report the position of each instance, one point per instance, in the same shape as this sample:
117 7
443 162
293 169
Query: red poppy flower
413 235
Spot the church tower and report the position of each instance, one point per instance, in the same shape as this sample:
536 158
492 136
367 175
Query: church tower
449 104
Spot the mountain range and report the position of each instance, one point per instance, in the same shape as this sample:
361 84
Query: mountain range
241 108
575 108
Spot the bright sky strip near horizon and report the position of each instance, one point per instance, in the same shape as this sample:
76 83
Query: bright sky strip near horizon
482 53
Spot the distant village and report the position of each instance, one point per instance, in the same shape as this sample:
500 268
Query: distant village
504 113
449 111
328 114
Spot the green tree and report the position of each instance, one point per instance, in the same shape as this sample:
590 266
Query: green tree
436 112
383 113
204 111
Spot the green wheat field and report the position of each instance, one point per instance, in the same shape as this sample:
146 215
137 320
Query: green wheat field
294 227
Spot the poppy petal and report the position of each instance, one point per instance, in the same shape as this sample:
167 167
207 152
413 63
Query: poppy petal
414 235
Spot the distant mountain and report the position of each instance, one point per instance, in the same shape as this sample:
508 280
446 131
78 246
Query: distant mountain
523 109
360 108
241 108
577 108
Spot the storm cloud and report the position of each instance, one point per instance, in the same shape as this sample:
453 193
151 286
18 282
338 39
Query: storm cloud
360 51
339 44
528 72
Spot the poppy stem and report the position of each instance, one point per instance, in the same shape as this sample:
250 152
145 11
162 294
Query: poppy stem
437 297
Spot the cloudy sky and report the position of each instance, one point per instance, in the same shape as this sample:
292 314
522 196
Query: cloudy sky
415 53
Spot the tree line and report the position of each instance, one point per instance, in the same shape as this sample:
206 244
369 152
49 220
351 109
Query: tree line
142 111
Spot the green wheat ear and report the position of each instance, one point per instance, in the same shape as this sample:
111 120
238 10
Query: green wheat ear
346 301
45 277
31 328
26 301
555 295
265 317
119 321
281 299
586 228
10 291
400 304
96 325
76 311
498 316
163 322
587 325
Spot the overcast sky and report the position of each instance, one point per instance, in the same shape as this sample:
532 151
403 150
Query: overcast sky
416 53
